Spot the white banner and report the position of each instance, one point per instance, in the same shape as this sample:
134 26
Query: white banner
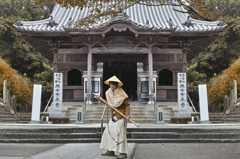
182 91
57 92
36 103
203 101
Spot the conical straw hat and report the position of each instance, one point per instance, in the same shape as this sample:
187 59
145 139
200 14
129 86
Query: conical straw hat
113 79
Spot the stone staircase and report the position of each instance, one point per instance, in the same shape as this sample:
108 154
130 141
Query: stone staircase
26 117
94 112
170 109
214 118
7 114
69 109
234 115
148 134
139 113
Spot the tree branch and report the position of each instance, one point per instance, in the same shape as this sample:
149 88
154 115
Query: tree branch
159 4
191 10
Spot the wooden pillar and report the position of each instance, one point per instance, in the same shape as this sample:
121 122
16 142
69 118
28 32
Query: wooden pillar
5 91
150 69
89 74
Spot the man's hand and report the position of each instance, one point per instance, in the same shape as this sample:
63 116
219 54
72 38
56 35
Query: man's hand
128 117
97 96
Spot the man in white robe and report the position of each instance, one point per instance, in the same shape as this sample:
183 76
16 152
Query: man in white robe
115 136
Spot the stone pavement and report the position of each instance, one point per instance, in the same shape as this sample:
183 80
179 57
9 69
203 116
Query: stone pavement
188 151
137 151
55 151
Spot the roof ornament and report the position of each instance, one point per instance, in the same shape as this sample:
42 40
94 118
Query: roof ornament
220 33
188 22
121 16
220 23
170 22
70 23
51 22
19 23
147 22
125 15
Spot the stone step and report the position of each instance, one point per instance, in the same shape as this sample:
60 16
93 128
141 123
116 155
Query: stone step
100 115
132 107
130 135
235 112
74 109
142 108
153 135
4 112
48 135
74 130
135 120
6 115
57 130
98 140
167 120
132 118
183 140
165 108
232 119
82 140
8 120
215 115
4 109
131 113
233 116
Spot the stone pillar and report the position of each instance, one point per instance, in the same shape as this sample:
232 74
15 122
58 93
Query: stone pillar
11 102
225 103
228 102
234 91
150 68
89 74
8 97
14 103
5 91
231 97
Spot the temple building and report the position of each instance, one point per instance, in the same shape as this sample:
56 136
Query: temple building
145 47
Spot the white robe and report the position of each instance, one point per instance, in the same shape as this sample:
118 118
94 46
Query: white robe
118 133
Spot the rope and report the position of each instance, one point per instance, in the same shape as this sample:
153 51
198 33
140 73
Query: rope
117 143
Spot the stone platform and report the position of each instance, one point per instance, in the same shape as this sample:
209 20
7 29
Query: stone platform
145 133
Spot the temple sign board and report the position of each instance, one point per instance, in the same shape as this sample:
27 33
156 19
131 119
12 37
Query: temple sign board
57 92
182 92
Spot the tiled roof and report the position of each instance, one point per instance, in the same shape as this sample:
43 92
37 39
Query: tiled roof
144 17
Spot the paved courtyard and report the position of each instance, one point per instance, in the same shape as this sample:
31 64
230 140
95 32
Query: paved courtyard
136 151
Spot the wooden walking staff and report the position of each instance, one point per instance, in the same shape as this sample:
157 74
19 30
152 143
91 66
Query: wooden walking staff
106 103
